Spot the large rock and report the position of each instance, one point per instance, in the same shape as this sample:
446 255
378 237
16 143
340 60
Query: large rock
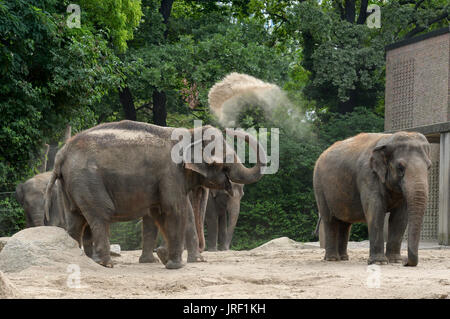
43 246
3 241
7 289
284 243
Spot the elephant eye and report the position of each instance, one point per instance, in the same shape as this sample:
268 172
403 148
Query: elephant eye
401 168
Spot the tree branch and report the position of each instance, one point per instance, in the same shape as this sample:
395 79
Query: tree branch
419 29
418 4
146 105
363 12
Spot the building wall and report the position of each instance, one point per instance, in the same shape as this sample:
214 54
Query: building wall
417 94
417 84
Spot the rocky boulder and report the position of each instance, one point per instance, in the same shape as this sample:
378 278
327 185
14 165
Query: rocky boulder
7 289
44 246
3 241
284 243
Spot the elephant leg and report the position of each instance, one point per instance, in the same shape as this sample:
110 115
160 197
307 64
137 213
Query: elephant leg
149 237
222 233
398 220
75 225
173 227
212 224
343 237
331 239
233 210
160 219
100 237
191 239
375 214
330 227
87 242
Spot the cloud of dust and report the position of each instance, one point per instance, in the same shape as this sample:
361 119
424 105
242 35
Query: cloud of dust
236 92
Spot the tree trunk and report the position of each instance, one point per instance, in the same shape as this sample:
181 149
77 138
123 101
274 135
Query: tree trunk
165 10
363 12
126 99
159 108
159 98
349 105
350 11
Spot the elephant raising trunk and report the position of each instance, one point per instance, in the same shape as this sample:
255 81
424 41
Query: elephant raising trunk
240 174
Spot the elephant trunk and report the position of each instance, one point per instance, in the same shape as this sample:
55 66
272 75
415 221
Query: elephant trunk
233 209
240 174
199 202
416 199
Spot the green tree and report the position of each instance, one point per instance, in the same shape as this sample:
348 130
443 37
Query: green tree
344 58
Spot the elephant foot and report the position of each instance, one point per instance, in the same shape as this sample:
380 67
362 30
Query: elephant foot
89 253
211 249
174 264
144 259
343 257
163 255
195 259
332 258
107 264
378 260
394 258
223 248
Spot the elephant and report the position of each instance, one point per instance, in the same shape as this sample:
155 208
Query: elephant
222 213
362 178
30 196
194 236
119 171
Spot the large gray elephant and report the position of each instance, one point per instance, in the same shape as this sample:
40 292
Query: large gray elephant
222 213
119 171
362 178
30 195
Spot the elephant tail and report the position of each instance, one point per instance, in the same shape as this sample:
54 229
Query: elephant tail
316 231
56 173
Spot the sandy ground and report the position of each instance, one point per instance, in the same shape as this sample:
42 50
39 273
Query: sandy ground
292 271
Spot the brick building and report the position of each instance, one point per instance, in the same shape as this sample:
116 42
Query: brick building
417 99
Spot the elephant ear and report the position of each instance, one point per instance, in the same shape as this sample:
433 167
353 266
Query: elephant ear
379 162
197 167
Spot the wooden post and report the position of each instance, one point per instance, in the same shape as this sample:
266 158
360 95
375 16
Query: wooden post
67 133
43 167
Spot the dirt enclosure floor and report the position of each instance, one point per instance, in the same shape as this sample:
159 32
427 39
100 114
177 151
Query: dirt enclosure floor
282 270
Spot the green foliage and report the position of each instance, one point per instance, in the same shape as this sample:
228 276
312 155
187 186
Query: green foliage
50 75
359 232
127 234
12 217
118 17
335 127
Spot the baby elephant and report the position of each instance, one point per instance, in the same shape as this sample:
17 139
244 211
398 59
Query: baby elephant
362 178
